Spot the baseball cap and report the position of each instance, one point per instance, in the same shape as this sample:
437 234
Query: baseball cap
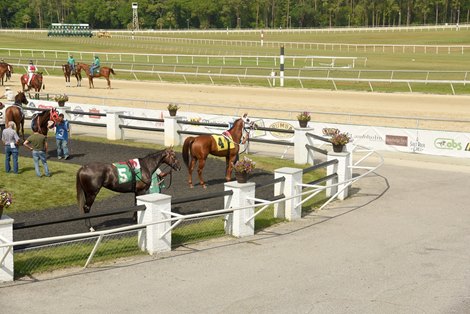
7 88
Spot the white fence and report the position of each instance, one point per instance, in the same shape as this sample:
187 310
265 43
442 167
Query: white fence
156 223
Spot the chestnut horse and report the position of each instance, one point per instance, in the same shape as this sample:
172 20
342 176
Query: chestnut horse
93 176
14 113
67 69
198 148
36 82
41 120
104 72
5 69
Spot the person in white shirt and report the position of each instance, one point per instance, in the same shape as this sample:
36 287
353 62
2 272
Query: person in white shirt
31 70
9 95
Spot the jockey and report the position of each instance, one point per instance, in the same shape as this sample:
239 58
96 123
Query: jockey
95 66
31 70
8 94
71 62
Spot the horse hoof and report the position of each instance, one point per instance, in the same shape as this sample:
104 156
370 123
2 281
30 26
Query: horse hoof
191 186
204 186
92 229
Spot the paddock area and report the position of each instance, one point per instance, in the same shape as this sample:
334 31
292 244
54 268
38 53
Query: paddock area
85 152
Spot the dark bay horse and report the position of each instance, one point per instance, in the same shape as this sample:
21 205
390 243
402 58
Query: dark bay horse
104 72
93 176
5 70
14 113
198 148
67 69
41 120
36 82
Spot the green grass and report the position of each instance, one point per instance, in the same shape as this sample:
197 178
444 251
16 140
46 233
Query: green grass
378 59
31 193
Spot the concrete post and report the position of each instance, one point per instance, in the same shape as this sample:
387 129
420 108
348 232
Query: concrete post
6 234
151 238
235 223
172 127
302 155
289 209
113 131
342 168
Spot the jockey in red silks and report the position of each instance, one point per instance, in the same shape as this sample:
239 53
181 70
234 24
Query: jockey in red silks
31 70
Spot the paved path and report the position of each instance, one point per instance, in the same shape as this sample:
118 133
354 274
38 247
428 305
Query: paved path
399 245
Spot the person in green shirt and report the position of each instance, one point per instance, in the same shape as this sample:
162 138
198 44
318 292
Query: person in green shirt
39 148
95 66
71 62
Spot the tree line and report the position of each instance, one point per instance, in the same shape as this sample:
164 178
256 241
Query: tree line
207 14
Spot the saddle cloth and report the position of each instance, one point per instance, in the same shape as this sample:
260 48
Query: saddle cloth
222 141
125 173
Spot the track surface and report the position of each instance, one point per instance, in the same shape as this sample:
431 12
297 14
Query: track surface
85 152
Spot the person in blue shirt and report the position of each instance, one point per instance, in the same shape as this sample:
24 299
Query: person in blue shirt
62 130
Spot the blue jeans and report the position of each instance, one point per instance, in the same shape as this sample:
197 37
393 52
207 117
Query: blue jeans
62 148
40 155
8 153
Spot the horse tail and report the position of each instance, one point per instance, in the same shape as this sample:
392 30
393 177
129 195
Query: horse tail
80 192
186 147
112 71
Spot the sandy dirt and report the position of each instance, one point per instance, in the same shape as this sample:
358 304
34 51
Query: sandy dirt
275 102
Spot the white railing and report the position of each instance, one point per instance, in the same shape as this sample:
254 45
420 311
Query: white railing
269 79
240 206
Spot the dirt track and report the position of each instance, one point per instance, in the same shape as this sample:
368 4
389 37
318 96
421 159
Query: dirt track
263 101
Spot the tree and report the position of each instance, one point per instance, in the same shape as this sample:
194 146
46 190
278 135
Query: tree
26 20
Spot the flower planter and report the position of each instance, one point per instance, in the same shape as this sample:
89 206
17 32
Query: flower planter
338 148
242 177
303 123
1 211
172 112
61 103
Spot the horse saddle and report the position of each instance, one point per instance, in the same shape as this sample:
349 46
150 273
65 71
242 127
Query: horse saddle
125 173
223 141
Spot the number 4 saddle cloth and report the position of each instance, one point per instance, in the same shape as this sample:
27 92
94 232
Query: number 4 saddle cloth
223 140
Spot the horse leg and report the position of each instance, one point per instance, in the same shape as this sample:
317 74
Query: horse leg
89 200
231 160
201 164
109 82
190 171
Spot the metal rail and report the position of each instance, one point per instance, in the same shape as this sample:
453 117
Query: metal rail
122 116
141 128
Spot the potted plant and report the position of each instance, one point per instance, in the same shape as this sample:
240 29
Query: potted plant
339 140
172 109
5 201
304 118
243 168
61 99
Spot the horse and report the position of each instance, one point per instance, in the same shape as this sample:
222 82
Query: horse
36 82
67 69
41 120
5 69
95 175
104 71
198 148
14 113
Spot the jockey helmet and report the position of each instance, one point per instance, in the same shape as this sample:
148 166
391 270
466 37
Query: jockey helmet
71 56
30 61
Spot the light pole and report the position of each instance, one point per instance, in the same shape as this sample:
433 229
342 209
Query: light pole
187 23
290 21
399 18
239 22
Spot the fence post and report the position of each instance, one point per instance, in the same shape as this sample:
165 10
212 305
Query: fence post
6 235
113 131
235 223
157 208
172 127
343 171
289 209
302 155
